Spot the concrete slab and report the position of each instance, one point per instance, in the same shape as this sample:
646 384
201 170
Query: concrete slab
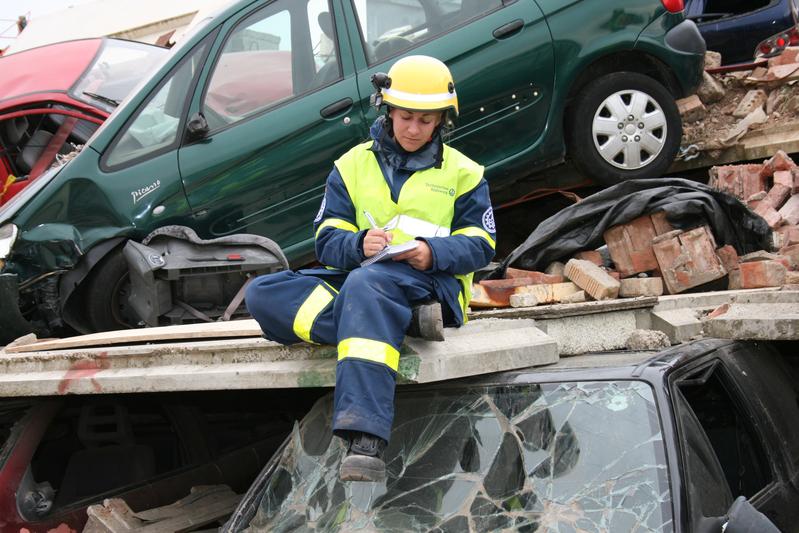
255 363
590 333
681 325
775 321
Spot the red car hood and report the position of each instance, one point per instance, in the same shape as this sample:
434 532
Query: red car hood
53 68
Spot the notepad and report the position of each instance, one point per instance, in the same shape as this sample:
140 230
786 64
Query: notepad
390 251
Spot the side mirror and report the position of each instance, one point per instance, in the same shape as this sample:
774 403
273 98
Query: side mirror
197 127
744 518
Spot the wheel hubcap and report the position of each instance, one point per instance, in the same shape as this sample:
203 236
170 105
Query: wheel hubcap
629 129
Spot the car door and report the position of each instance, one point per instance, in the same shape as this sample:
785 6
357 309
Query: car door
278 100
499 52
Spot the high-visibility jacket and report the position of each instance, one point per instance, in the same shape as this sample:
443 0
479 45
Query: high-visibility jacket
425 206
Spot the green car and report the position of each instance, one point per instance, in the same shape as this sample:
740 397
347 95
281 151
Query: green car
181 194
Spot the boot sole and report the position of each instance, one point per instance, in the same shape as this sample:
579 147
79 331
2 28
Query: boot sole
361 468
428 322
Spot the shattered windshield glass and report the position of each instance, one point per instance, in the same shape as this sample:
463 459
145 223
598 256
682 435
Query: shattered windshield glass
568 457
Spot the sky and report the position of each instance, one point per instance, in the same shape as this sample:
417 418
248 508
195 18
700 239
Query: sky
10 10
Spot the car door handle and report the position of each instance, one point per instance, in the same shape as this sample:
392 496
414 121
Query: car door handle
336 107
508 29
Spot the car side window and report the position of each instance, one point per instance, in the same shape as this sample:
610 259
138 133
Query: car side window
711 396
157 124
391 27
275 54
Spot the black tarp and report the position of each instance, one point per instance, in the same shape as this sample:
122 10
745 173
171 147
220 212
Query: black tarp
687 204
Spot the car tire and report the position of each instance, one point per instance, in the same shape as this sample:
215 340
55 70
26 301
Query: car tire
106 296
624 126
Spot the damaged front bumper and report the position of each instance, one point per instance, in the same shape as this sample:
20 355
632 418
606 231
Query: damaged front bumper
12 323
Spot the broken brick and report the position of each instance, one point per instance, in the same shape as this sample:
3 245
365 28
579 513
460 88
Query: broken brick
769 214
691 108
630 246
720 310
759 255
687 259
742 181
778 195
525 299
728 257
613 274
792 278
531 276
550 292
592 279
786 178
779 161
634 287
787 235
758 274
788 56
795 177
589 255
752 100
575 298
555 268
660 223
753 201
791 253
790 211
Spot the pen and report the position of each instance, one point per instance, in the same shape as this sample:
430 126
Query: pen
371 220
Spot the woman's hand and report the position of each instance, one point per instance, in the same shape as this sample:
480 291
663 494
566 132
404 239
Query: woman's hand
420 258
375 240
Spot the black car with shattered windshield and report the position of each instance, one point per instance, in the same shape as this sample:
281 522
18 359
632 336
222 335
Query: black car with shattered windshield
597 443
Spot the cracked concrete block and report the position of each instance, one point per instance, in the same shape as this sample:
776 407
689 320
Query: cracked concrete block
710 90
681 325
647 339
635 287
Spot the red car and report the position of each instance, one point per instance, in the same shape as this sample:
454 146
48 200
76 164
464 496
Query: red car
54 97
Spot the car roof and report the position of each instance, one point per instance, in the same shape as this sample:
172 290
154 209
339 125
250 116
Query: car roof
52 68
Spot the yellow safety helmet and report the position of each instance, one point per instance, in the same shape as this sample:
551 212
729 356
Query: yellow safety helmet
417 83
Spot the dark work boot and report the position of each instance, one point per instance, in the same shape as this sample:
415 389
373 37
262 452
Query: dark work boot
364 460
427 322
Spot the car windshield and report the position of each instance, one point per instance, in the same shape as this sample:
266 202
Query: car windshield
578 456
117 69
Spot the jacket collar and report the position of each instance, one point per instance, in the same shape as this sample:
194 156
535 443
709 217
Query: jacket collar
428 156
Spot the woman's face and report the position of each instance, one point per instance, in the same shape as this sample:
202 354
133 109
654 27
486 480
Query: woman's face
414 129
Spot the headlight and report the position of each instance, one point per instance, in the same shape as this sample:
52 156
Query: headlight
8 234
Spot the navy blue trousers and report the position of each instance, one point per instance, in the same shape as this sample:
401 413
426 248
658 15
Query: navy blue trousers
365 313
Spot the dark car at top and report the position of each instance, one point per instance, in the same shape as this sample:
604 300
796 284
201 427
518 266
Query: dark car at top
744 30
236 132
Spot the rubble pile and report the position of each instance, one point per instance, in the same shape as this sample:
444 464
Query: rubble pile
728 105
648 257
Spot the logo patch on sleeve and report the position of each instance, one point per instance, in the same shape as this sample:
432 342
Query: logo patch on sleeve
488 220
321 209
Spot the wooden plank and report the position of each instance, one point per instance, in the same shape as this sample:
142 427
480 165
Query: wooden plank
756 145
206 330
563 310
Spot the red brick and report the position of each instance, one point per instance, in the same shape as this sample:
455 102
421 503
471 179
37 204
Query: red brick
691 108
791 253
687 259
531 276
758 274
742 181
788 235
795 176
790 211
778 195
753 201
661 223
613 274
590 255
592 279
720 310
785 177
789 55
728 257
779 161
769 214
630 246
